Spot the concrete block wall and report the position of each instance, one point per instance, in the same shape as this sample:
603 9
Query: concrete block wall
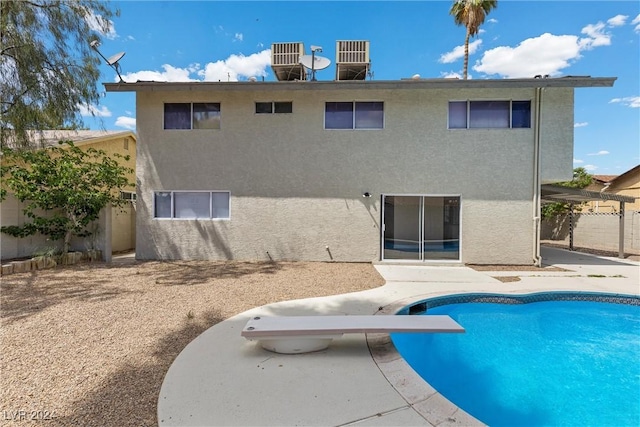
595 231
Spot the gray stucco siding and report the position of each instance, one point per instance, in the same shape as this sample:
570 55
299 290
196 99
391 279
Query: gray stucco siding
556 139
296 188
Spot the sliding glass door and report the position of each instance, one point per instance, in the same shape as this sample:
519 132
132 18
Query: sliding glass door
421 227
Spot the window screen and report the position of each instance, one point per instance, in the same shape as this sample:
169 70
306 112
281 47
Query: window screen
369 115
206 115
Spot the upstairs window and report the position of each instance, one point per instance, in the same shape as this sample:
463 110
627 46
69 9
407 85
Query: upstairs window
489 114
274 107
354 115
197 115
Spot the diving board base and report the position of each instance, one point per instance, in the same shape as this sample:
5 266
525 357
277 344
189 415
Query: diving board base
295 345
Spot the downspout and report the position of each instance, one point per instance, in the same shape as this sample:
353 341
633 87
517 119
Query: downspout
537 259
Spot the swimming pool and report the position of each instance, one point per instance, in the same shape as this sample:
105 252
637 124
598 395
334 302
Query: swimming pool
538 359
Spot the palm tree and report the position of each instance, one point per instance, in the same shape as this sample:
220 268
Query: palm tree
471 14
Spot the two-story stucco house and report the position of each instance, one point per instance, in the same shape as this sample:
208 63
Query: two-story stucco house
440 170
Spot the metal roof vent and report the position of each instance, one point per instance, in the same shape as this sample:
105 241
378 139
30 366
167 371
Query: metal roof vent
352 59
285 61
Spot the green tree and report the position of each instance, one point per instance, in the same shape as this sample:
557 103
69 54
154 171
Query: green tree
47 67
64 188
471 14
581 179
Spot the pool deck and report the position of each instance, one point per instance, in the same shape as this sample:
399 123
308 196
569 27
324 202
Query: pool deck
221 379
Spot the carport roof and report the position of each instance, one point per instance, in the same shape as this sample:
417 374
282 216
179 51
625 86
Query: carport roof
556 193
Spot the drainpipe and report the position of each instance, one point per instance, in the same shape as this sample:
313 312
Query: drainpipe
537 259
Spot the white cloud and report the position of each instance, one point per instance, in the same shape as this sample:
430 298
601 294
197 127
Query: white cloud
238 36
237 66
577 162
458 52
492 20
100 25
596 36
233 68
580 125
170 74
126 122
546 54
599 153
630 101
636 22
93 111
590 168
617 21
451 75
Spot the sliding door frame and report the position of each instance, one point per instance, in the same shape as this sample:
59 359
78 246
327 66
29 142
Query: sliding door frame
421 216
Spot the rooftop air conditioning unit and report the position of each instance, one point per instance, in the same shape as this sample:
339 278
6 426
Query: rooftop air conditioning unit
352 59
285 61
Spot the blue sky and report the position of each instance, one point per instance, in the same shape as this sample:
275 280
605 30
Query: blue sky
231 40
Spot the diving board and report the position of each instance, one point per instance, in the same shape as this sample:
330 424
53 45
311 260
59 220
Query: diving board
303 334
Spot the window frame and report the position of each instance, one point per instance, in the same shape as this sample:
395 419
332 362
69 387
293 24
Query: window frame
172 205
128 195
355 113
273 107
192 115
468 119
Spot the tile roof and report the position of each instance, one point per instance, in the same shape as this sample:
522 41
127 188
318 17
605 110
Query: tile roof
605 178
51 137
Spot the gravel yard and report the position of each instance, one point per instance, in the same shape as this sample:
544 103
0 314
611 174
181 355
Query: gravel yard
89 345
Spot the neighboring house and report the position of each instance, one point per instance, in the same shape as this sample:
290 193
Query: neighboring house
436 170
626 184
122 219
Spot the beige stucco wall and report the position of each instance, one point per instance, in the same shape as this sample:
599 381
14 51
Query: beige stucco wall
123 228
122 232
123 145
297 188
627 184
123 223
13 247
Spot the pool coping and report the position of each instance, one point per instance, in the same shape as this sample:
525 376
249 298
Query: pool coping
417 392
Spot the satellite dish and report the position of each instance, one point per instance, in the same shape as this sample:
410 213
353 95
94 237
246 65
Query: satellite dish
314 62
115 58
112 61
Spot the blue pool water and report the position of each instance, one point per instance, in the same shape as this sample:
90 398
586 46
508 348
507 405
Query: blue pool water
552 363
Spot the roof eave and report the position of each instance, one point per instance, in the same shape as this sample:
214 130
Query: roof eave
410 84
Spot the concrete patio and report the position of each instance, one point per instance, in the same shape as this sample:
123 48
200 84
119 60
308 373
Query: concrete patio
221 379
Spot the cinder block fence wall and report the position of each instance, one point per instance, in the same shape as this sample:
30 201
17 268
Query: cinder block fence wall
595 231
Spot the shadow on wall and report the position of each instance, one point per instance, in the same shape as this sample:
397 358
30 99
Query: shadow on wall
557 228
165 241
